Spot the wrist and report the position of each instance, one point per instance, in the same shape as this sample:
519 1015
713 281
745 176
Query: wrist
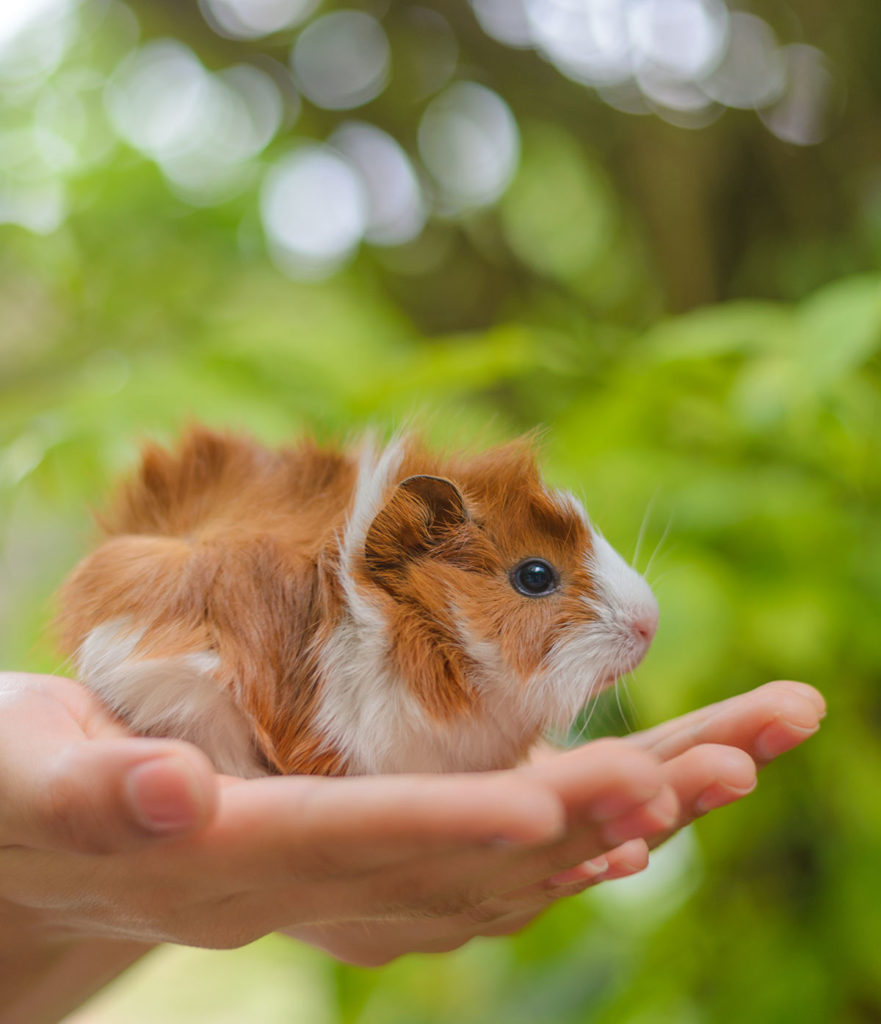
46 971
43 983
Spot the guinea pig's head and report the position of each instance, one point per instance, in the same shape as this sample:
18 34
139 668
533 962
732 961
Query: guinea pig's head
501 592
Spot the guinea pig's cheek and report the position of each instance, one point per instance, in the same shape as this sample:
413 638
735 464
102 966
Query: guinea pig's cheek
518 638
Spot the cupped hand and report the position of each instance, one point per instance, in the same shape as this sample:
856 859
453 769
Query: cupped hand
105 835
709 758
102 834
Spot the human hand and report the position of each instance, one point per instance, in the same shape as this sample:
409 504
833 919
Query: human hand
710 757
102 834
763 723
423 862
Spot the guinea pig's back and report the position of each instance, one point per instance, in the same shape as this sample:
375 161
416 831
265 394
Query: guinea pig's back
213 481
198 614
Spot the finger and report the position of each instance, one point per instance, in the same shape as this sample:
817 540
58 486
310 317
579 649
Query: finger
71 779
329 827
510 912
374 943
601 780
626 859
438 845
651 822
610 797
471 883
102 796
705 778
765 723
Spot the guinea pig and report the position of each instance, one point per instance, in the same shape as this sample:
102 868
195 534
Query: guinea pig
350 610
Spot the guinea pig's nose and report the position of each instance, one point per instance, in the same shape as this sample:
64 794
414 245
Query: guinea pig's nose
645 626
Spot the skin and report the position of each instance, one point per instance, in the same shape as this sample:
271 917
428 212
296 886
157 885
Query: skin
110 844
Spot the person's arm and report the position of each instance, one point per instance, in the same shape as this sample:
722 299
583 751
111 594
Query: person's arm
109 844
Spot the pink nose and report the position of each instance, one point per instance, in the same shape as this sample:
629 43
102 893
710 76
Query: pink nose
645 627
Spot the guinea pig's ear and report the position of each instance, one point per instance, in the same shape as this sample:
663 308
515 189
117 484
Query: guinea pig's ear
422 512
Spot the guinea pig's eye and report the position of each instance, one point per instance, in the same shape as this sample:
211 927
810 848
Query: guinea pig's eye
534 577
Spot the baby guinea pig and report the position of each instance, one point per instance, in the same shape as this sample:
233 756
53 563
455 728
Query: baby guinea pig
317 610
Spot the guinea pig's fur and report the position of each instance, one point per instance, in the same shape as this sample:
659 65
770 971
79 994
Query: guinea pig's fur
344 611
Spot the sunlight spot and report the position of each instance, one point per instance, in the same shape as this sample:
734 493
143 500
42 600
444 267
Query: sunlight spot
341 61
314 209
800 117
395 206
751 73
251 19
469 141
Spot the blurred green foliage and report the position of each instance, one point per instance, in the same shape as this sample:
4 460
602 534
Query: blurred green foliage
740 439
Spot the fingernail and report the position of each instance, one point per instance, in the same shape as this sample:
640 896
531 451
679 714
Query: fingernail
164 794
584 872
778 737
719 795
624 870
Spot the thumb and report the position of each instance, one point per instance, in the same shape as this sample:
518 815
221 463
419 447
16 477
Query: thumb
109 795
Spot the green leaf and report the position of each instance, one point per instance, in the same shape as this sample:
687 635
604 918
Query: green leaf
840 328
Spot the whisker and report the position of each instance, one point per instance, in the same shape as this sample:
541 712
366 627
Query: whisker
590 705
619 686
659 545
640 537
655 583
634 723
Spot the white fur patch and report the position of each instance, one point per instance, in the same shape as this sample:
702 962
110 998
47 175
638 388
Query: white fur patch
366 712
178 697
372 717
376 470
595 653
624 600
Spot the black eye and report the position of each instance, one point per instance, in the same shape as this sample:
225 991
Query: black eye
534 577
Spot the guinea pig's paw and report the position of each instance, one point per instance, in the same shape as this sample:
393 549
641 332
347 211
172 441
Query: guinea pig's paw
177 695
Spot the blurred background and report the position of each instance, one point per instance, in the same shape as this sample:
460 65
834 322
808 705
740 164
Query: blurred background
652 227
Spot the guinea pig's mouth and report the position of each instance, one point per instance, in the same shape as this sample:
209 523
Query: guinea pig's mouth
610 678
625 661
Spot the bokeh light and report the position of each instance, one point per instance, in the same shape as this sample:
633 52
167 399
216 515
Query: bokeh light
34 37
251 19
314 210
587 40
341 60
396 209
751 73
685 60
800 116
469 141
684 38
39 206
201 128
505 20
